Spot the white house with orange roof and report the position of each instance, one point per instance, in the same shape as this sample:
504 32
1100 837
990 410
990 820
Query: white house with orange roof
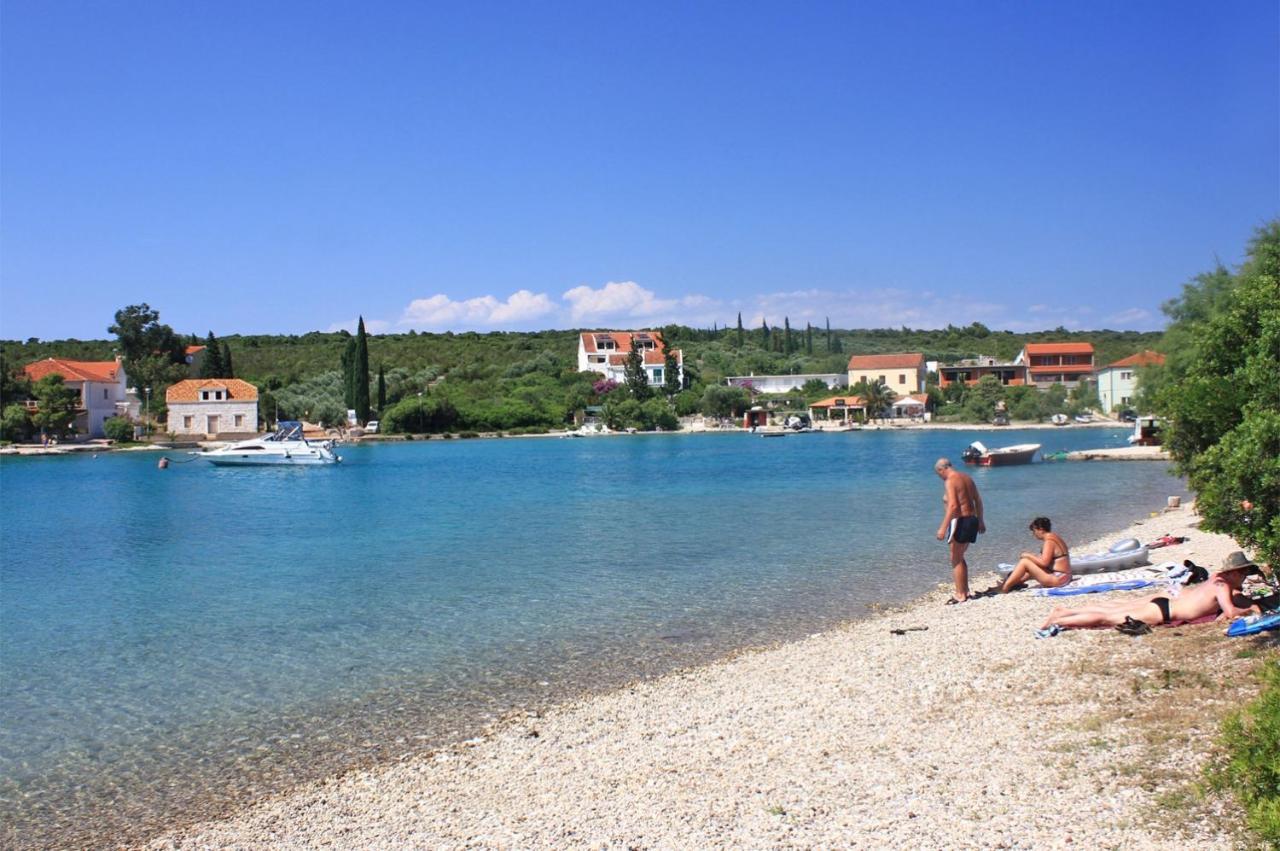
1056 363
102 385
212 408
1118 383
606 352
903 373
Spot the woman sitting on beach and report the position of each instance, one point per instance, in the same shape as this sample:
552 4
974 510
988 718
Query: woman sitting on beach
1051 567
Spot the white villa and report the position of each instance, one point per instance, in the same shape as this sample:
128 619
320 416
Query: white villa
606 352
1118 382
102 386
212 408
786 383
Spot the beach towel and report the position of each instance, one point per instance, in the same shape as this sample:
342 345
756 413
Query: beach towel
1074 590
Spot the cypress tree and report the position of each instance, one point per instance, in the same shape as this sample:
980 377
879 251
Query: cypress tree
829 350
808 338
348 374
361 381
637 381
764 327
211 364
786 339
382 388
228 371
739 329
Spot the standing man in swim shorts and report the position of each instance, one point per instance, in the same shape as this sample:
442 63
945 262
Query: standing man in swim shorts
961 522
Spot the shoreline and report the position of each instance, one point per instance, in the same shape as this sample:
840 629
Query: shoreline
850 736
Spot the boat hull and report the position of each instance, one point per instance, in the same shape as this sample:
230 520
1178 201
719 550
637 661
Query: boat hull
292 460
1004 457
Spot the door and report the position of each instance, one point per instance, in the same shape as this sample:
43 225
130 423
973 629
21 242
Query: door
211 424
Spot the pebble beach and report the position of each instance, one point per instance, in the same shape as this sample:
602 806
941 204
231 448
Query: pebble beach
962 731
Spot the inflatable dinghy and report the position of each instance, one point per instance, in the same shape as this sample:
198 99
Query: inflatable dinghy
1121 556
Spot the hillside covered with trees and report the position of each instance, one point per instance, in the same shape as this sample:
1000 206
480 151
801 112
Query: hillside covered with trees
510 381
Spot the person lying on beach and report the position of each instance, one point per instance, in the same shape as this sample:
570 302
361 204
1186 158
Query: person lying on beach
1051 567
1219 596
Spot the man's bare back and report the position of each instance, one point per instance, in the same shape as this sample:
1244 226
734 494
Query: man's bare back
1220 595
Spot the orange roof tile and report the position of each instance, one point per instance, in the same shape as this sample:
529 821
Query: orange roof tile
106 372
838 402
1059 349
189 390
621 339
652 357
907 360
191 350
1144 358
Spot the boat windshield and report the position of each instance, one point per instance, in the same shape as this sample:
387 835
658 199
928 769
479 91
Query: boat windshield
287 430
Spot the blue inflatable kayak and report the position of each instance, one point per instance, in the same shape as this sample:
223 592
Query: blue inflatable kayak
1254 624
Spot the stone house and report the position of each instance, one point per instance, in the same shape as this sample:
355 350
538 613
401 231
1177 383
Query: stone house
221 408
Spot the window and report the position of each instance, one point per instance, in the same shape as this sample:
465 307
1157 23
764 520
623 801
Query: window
187 422
204 395
239 420
657 375
105 393
1126 376
902 378
882 381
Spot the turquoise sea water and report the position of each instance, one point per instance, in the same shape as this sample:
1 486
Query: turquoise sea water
172 642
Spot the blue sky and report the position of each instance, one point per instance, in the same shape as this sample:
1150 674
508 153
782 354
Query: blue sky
249 167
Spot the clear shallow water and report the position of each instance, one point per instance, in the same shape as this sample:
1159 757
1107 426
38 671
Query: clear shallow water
175 641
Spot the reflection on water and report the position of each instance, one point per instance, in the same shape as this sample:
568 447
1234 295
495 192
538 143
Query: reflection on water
174 642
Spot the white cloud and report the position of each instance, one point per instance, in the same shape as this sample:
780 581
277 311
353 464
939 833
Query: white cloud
621 301
440 311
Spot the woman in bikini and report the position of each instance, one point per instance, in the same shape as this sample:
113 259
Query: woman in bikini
1051 567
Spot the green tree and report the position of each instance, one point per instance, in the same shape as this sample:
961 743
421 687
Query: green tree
349 374
670 372
719 400
361 378
1222 399
808 338
154 356
740 332
15 424
228 371
633 373
876 395
56 404
118 429
765 333
211 362
382 389
786 338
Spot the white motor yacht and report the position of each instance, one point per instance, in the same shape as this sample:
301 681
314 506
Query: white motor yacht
286 447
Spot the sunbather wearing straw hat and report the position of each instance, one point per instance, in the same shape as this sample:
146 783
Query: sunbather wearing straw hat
1219 596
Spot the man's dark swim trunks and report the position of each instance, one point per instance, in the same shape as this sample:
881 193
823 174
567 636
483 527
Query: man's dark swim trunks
964 530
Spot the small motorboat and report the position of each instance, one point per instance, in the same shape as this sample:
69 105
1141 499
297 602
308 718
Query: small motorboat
284 448
1021 453
1059 419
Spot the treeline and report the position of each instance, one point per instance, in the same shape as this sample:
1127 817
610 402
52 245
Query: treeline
510 381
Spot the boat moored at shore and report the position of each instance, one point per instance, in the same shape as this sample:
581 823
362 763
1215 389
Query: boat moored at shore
286 447
977 453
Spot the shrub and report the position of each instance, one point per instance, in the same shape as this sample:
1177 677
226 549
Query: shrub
118 429
14 423
1250 763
